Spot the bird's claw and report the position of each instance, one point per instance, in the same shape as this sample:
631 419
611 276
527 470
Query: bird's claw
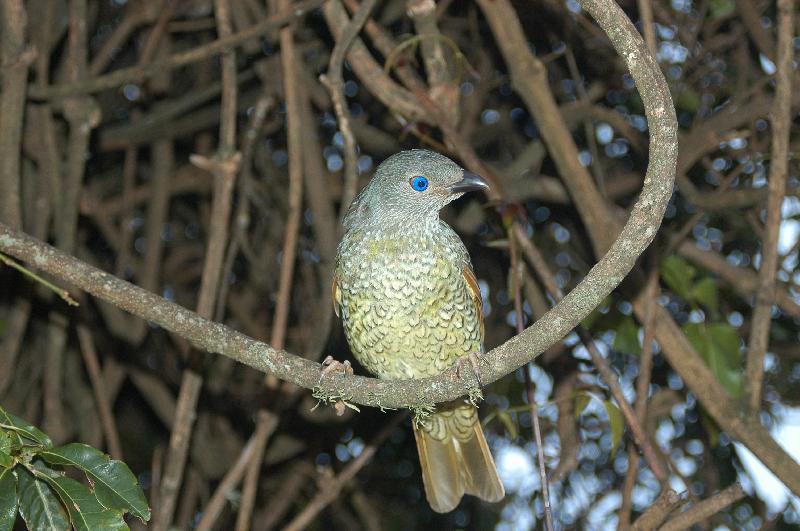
474 360
330 365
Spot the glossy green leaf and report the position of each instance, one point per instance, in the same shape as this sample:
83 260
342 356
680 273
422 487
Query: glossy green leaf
678 274
6 447
6 442
626 337
85 512
114 484
705 292
8 499
581 401
718 343
617 424
38 504
25 433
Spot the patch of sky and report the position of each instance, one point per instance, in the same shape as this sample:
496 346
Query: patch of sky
766 65
618 148
684 6
364 163
737 143
638 121
757 479
490 116
665 32
351 89
338 140
735 319
604 133
672 52
131 92
334 162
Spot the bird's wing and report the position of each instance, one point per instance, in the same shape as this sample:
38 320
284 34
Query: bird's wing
335 296
475 292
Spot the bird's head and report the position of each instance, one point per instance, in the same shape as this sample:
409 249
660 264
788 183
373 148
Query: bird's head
414 184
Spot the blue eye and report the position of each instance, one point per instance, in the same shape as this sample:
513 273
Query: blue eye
419 183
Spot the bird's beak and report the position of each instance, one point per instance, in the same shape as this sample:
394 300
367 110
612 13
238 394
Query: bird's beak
468 183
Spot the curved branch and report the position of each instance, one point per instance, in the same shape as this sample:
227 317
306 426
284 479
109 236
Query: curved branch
637 234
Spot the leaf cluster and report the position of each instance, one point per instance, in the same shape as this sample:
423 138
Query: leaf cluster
34 483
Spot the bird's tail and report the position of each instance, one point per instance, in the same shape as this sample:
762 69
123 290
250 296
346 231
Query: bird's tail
455 458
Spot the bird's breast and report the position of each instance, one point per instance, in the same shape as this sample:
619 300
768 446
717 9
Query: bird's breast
406 309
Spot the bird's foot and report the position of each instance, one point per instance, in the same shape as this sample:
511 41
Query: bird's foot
335 398
330 365
474 360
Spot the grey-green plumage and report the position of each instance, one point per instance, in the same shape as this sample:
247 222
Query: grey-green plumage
411 307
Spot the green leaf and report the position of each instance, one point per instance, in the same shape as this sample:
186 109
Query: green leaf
6 461
85 512
581 401
8 499
6 444
114 484
598 313
626 337
6 447
678 274
511 426
617 424
718 343
688 100
39 505
721 8
24 432
705 292
711 427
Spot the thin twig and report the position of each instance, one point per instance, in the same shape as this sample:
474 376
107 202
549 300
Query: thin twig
781 117
82 115
601 364
290 61
516 276
334 487
705 509
175 459
264 427
16 322
141 72
104 408
658 511
648 27
248 498
334 82
15 59
293 481
61 292
224 167
642 388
